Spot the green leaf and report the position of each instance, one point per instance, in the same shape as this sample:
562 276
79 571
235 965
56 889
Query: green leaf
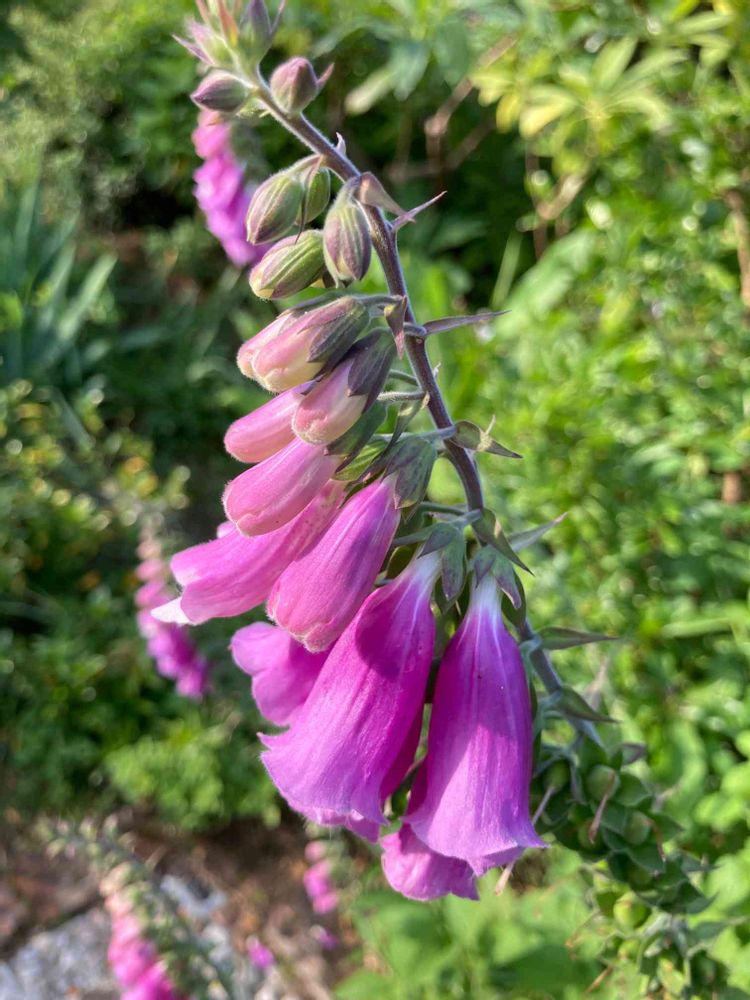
570 703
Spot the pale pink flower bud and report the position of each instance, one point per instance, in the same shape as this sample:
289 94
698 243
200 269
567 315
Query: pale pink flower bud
265 431
270 494
299 343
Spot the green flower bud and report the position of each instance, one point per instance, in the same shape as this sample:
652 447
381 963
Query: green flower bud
255 31
346 238
600 781
629 912
294 85
274 207
219 91
316 197
638 828
557 776
291 265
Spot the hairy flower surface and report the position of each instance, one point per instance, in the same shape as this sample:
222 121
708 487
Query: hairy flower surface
318 594
275 491
340 754
233 573
283 671
471 794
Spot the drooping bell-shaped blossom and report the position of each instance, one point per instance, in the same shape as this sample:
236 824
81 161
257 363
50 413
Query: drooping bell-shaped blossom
269 495
233 573
221 191
283 671
320 888
168 643
266 430
471 794
341 755
417 872
319 593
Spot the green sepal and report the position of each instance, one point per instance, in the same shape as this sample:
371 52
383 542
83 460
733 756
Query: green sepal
559 637
410 464
489 531
523 539
358 466
469 435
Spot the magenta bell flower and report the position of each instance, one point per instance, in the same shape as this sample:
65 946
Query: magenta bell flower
317 596
283 671
471 795
265 431
233 574
341 755
415 871
270 494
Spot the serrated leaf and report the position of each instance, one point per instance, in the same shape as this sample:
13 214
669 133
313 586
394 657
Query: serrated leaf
559 637
523 539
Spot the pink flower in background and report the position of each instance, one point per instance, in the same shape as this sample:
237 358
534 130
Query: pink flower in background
133 958
220 189
167 642
259 955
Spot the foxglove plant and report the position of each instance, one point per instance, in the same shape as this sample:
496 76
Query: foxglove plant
354 664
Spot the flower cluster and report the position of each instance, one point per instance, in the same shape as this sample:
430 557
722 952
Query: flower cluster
132 956
220 189
318 880
168 643
348 665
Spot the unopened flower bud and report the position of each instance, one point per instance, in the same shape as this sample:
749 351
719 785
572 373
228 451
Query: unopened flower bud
293 264
294 84
316 197
334 405
220 91
274 207
298 345
255 31
346 239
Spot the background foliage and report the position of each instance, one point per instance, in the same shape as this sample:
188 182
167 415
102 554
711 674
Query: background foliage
595 158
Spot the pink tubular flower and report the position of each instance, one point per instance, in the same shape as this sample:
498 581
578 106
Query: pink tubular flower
133 958
471 795
419 873
343 564
220 189
265 431
283 671
341 755
270 494
328 410
233 574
